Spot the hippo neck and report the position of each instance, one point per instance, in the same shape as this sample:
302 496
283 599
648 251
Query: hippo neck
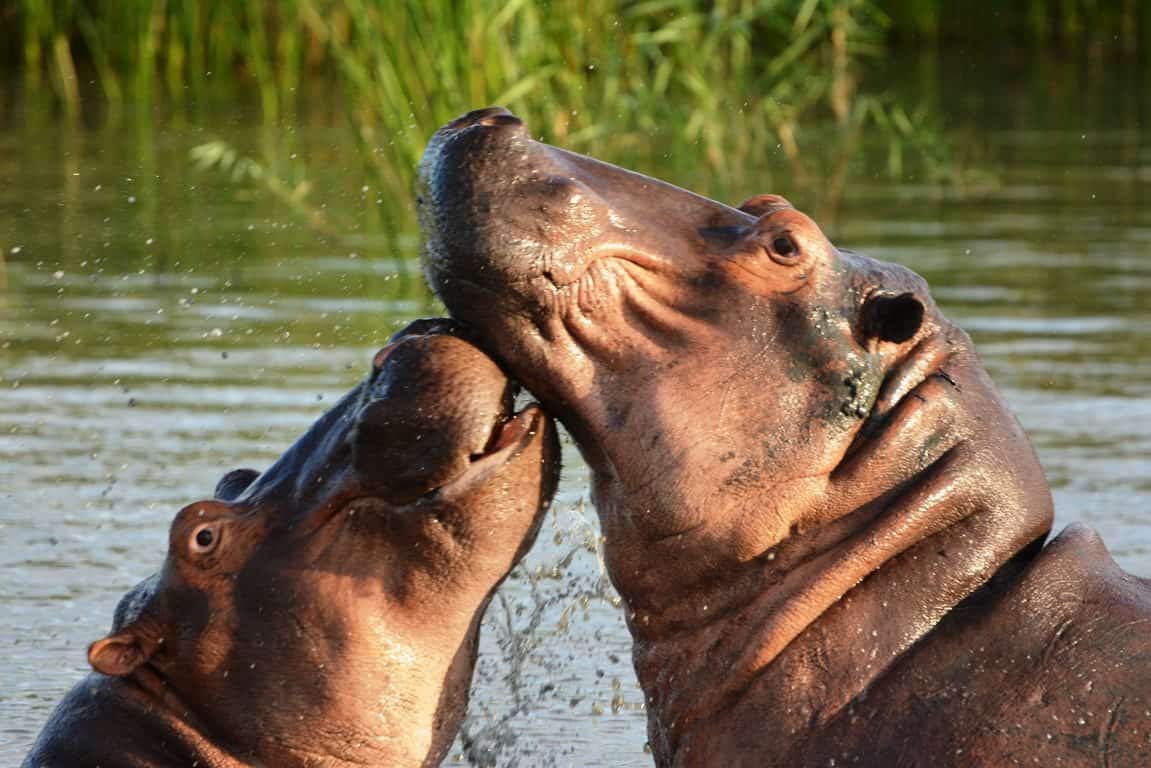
899 534
145 699
279 740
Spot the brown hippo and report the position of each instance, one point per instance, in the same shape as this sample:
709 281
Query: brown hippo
826 526
326 612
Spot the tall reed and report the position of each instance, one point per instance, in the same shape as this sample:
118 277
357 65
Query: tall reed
712 83
716 83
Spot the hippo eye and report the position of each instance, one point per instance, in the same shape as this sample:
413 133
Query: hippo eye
784 248
205 538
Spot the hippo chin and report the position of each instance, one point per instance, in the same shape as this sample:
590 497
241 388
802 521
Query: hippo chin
826 526
326 612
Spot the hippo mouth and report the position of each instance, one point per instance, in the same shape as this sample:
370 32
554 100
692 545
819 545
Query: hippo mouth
436 415
509 437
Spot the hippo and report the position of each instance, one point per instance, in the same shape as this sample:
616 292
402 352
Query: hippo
327 611
829 533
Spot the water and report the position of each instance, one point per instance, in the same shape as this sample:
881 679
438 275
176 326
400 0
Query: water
160 326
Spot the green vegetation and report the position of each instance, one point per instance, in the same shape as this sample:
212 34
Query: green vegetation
724 81
721 84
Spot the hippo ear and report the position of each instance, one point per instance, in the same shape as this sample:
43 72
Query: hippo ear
426 326
891 318
136 632
761 205
234 483
121 653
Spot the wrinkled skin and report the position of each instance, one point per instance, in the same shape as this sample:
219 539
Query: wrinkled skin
326 612
826 526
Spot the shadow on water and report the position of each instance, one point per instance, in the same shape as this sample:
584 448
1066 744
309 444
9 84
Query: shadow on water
161 324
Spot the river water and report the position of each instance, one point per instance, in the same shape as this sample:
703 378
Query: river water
160 325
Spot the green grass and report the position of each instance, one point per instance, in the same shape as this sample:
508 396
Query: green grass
720 84
717 82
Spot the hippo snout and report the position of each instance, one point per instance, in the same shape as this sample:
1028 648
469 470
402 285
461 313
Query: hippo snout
433 405
489 116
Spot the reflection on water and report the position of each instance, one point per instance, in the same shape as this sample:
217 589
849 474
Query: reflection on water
160 327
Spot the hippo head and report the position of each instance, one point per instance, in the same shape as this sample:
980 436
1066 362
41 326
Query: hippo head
736 382
330 605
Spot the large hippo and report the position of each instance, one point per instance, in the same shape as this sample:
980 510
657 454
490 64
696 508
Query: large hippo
828 529
326 612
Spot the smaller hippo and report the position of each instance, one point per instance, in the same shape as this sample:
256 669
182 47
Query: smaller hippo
327 611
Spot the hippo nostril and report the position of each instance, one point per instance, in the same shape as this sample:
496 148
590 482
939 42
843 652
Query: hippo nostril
487 116
892 318
500 120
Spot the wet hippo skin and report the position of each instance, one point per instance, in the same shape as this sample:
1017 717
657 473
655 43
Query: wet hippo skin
326 612
829 532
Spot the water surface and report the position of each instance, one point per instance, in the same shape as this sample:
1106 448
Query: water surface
160 326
